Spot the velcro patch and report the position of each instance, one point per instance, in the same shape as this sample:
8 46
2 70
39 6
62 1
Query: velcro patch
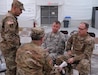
10 22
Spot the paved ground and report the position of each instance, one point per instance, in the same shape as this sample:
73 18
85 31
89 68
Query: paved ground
94 65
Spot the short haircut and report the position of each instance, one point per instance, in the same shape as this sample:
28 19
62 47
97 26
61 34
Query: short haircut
86 24
57 22
37 33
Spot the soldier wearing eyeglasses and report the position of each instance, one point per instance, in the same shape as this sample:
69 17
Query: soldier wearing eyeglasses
79 50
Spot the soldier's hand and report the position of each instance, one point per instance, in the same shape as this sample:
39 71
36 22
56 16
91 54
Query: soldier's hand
69 52
59 69
70 60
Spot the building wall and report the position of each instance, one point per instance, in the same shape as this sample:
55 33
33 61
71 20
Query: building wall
78 10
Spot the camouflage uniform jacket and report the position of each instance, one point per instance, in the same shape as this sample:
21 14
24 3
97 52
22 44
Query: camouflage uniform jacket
10 41
10 32
55 43
82 47
31 59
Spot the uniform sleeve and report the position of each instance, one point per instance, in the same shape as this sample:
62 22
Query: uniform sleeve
9 24
61 43
44 41
63 37
9 32
88 50
48 65
69 43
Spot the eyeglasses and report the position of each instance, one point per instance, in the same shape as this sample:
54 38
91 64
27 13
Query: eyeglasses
81 28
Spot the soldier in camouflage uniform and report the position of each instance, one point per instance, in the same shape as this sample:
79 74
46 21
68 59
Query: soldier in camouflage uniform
31 58
10 36
79 50
54 41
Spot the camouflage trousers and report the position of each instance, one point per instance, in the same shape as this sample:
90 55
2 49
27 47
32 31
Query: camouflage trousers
11 72
10 63
9 53
83 66
11 66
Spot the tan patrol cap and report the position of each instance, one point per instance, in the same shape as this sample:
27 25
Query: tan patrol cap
37 33
18 4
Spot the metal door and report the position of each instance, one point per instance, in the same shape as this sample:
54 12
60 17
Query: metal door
49 14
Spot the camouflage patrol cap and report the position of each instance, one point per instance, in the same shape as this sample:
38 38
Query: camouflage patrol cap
18 4
37 33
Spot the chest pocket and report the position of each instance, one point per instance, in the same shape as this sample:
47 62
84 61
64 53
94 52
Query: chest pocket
78 45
